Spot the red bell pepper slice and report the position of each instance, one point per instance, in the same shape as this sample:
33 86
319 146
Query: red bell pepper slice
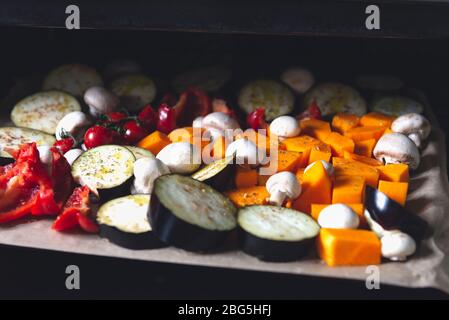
192 103
256 119
167 119
313 111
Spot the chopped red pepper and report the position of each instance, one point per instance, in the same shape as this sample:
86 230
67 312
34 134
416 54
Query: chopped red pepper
192 103
148 117
65 144
313 111
256 119
167 118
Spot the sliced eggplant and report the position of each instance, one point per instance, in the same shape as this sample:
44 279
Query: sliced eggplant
218 174
275 97
336 97
13 137
396 105
134 90
72 78
189 214
107 169
390 215
276 234
124 221
140 152
43 111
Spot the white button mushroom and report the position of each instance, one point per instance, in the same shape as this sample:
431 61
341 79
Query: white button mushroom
146 170
397 246
300 80
282 185
198 122
245 151
285 127
180 157
338 216
73 124
413 125
327 166
100 101
217 123
72 155
397 148
46 157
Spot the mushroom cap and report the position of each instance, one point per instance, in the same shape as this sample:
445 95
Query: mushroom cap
45 154
197 122
412 123
220 120
72 123
180 157
397 245
299 79
246 152
101 100
327 166
397 148
285 126
72 155
285 182
338 216
146 170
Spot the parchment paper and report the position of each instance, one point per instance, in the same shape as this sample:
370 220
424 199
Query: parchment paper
428 197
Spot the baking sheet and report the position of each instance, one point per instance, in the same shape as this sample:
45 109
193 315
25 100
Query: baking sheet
428 197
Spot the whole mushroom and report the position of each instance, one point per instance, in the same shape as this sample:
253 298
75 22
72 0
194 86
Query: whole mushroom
413 125
245 151
397 148
282 185
100 101
46 157
73 124
327 166
299 79
397 246
216 123
72 155
180 157
338 216
285 127
146 170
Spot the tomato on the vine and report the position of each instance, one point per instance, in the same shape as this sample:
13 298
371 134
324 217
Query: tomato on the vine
97 136
133 131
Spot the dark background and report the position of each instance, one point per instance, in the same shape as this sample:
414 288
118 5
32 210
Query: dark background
28 53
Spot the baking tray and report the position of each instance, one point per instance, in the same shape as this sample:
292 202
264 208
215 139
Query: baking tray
428 197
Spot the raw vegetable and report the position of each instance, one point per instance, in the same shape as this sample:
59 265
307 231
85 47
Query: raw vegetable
363 159
345 167
396 191
189 214
140 152
11 138
218 174
348 189
192 103
302 144
124 221
357 207
274 97
394 172
396 105
256 119
249 196
365 133
342 122
134 90
166 119
348 247
154 142
287 160
43 111
315 128
376 119
365 147
275 233
245 177
320 151
98 136
339 144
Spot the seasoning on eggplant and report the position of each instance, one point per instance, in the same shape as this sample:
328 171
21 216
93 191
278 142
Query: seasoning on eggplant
124 221
13 138
396 105
274 233
140 152
43 110
108 169
218 174
189 214
390 215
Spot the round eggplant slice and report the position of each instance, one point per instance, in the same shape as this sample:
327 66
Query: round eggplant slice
140 152
336 97
275 97
274 233
107 169
134 90
218 174
13 137
189 214
43 111
390 215
396 105
209 79
124 221
72 78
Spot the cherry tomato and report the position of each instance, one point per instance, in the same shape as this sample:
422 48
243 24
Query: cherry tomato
64 145
166 119
133 132
116 116
148 117
256 119
97 136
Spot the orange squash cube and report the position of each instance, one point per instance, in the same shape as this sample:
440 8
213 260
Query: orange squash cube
339 144
342 122
365 133
320 151
365 147
396 191
154 142
376 119
348 189
315 128
343 167
394 172
366 160
245 178
248 196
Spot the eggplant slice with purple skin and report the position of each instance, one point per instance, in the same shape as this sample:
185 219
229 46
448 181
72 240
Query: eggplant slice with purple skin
190 214
275 234
218 174
390 215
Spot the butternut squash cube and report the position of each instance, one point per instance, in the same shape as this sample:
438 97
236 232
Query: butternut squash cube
394 172
348 247
248 196
366 160
320 151
339 144
396 191
188 134
365 147
287 160
344 167
342 122
348 189
315 128
154 142
245 178
302 144
376 119
316 186
365 133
